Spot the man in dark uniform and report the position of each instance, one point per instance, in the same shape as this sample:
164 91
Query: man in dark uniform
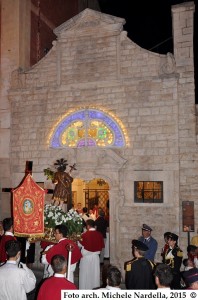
173 258
139 271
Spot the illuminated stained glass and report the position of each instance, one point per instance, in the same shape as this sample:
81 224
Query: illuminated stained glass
88 128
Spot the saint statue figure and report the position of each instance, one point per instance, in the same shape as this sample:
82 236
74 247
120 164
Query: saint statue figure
62 181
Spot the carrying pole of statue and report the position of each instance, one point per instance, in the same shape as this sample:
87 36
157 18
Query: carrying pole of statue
69 248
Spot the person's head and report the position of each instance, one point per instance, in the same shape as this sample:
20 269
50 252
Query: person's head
163 275
85 210
191 249
79 205
138 248
61 164
172 240
8 224
166 236
188 263
114 276
185 262
59 264
90 224
146 231
101 212
191 278
13 249
60 232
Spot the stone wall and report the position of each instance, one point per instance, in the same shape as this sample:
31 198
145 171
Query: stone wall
94 64
14 51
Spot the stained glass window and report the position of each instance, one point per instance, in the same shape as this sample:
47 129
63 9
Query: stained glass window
88 128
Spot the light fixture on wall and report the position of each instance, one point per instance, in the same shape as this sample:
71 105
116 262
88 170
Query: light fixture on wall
101 182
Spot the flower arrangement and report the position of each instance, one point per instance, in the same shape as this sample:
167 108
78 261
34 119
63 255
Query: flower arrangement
54 215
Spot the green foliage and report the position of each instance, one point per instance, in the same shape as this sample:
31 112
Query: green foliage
49 173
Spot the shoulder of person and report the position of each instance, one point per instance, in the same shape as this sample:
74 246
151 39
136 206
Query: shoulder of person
128 264
153 239
153 265
177 252
66 242
24 271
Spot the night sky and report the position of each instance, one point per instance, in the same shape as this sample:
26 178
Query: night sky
149 24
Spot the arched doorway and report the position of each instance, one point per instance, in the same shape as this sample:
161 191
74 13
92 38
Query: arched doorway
89 193
108 165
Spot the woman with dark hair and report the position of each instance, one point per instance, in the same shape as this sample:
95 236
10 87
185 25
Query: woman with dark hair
166 246
173 258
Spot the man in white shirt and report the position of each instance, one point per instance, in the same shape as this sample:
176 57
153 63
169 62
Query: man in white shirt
15 281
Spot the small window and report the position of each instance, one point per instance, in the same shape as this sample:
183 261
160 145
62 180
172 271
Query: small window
148 191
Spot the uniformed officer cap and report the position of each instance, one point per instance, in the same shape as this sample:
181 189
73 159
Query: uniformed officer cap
146 227
139 245
173 237
191 276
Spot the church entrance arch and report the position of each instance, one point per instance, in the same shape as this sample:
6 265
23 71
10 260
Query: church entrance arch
93 195
90 193
96 164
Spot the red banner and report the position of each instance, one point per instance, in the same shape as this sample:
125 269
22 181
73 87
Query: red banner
28 208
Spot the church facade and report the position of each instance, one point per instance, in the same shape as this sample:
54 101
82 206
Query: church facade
120 113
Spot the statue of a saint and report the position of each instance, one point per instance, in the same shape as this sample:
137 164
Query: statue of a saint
62 180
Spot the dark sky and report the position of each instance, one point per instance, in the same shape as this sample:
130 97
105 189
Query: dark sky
149 24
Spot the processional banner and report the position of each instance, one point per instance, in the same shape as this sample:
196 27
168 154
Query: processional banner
28 209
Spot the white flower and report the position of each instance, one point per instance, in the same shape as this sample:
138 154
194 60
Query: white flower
54 215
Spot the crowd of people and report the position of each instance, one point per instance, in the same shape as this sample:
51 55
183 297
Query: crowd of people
142 272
